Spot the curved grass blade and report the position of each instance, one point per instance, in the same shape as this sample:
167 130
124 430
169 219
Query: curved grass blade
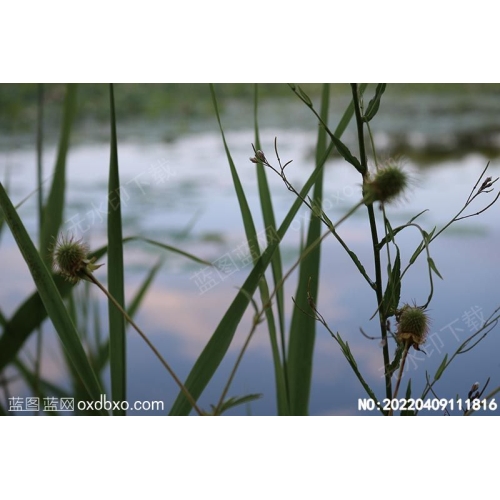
248 222
170 248
235 401
252 238
53 211
51 300
24 322
217 346
139 296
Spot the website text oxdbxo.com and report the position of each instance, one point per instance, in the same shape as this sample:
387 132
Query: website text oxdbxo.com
54 404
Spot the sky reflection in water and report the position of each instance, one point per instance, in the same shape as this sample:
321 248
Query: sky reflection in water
165 187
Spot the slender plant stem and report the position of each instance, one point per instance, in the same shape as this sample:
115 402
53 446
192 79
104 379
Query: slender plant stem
376 251
183 388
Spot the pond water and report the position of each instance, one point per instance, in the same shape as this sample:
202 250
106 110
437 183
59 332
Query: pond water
181 193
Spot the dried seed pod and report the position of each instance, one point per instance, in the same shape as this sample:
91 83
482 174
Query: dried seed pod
413 325
70 259
388 184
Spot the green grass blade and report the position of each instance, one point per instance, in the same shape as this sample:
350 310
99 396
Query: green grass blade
279 358
117 340
53 212
246 214
252 238
137 300
170 248
236 401
217 346
24 322
303 327
270 230
51 299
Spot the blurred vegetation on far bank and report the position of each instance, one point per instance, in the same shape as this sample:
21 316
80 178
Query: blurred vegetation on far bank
18 102
436 119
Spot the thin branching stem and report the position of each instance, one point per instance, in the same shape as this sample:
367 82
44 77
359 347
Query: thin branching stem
490 323
315 210
483 189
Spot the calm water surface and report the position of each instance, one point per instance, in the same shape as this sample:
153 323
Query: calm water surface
181 193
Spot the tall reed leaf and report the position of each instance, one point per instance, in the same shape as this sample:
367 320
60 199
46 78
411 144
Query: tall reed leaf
117 340
51 299
303 327
270 230
24 322
246 214
53 211
279 358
